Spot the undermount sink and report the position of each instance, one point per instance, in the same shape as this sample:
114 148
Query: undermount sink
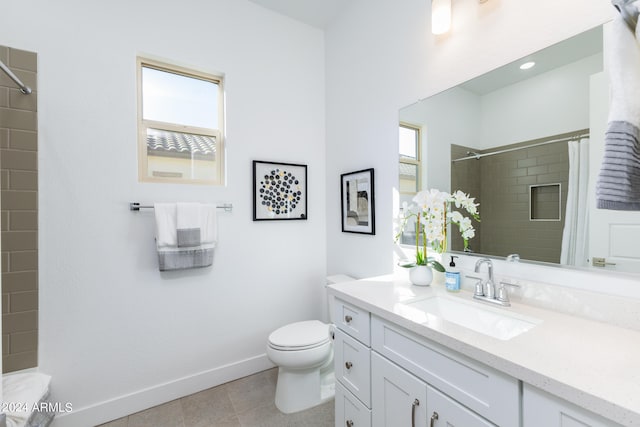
486 320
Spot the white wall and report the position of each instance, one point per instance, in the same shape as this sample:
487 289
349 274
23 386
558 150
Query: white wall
381 57
506 119
110 323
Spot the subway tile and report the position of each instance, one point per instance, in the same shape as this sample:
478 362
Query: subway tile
23 301
23 221
526 180
21 101
23 59
19 240
5 344
537 170
19 160
18 119
5 303
23 140
525 163
4 220
19 281
4 54
23 261
23 180
4 178
19 361
5 262
552 178
4 137
29 78
21 342
4 96
19 200
19 322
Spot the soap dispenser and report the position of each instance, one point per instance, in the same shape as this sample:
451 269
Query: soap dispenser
452 276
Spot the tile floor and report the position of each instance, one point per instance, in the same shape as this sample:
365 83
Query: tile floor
247 402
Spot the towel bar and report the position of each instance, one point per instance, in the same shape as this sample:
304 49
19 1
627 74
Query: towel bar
136 206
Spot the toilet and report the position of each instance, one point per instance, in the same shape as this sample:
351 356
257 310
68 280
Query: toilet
303 352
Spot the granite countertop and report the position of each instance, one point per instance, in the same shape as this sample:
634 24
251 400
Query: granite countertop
592 364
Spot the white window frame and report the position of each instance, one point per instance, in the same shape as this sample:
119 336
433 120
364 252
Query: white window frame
144 125
418 160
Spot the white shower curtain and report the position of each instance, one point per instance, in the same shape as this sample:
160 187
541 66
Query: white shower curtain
575 243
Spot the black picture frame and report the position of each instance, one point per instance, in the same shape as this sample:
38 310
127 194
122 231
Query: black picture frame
357 191
279 191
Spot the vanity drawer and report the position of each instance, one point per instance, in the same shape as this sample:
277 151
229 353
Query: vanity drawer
353 366
349 410
486 391
352 320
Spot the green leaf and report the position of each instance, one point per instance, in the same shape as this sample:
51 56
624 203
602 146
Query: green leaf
436 266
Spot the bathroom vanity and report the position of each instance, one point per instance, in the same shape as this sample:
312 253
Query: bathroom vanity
411 356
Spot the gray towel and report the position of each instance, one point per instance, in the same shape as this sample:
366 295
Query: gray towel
180 259
618 185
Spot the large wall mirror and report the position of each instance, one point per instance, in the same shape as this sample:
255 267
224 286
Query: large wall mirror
527 144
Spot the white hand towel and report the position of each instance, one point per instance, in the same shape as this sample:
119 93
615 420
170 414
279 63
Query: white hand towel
165 224
209 223
25 389
189 224
624 71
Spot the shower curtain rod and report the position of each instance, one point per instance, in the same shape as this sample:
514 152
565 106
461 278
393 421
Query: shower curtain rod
569 137
23 87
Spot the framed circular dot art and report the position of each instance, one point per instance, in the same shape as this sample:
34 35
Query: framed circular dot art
279 191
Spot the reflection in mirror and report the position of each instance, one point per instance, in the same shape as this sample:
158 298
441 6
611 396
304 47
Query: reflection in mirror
527 144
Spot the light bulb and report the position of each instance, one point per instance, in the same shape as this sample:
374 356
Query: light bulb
440 16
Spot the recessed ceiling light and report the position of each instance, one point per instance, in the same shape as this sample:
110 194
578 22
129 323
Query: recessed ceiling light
527 65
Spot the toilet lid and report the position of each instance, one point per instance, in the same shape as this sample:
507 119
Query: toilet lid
309 333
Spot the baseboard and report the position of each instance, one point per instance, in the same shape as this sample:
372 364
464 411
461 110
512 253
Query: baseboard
146 398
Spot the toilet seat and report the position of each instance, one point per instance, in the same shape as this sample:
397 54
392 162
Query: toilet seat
300 336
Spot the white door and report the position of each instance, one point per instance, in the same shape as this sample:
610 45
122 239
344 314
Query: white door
398 398
614 235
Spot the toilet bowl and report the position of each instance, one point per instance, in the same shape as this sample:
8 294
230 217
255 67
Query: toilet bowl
303 352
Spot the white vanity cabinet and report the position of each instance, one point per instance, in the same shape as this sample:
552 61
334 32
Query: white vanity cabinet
352 364
543 409
458 387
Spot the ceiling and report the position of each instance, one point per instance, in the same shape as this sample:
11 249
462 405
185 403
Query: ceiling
317 13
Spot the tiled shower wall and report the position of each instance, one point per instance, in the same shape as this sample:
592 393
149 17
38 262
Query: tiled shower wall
19 211
504 210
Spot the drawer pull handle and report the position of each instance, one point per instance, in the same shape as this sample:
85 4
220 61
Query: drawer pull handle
348 365
348 319
434 417
413 412
349 423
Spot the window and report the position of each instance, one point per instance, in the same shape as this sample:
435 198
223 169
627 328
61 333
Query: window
180 125
410 162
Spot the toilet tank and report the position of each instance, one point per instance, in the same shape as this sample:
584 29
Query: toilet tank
329 299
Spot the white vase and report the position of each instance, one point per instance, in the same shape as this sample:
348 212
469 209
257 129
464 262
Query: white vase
421 275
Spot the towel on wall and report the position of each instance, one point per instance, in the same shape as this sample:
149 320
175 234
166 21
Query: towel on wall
171 256
618 184
188 224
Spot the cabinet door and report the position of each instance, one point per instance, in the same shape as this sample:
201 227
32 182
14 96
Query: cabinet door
349 410
542 409
353 366
398 398
443 411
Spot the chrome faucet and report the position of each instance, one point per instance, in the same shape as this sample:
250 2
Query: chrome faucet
487 291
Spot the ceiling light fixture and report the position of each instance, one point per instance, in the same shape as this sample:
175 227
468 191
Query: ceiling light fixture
527 65
440 16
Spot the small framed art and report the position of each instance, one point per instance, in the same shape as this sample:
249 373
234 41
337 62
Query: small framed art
279 191
358 207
